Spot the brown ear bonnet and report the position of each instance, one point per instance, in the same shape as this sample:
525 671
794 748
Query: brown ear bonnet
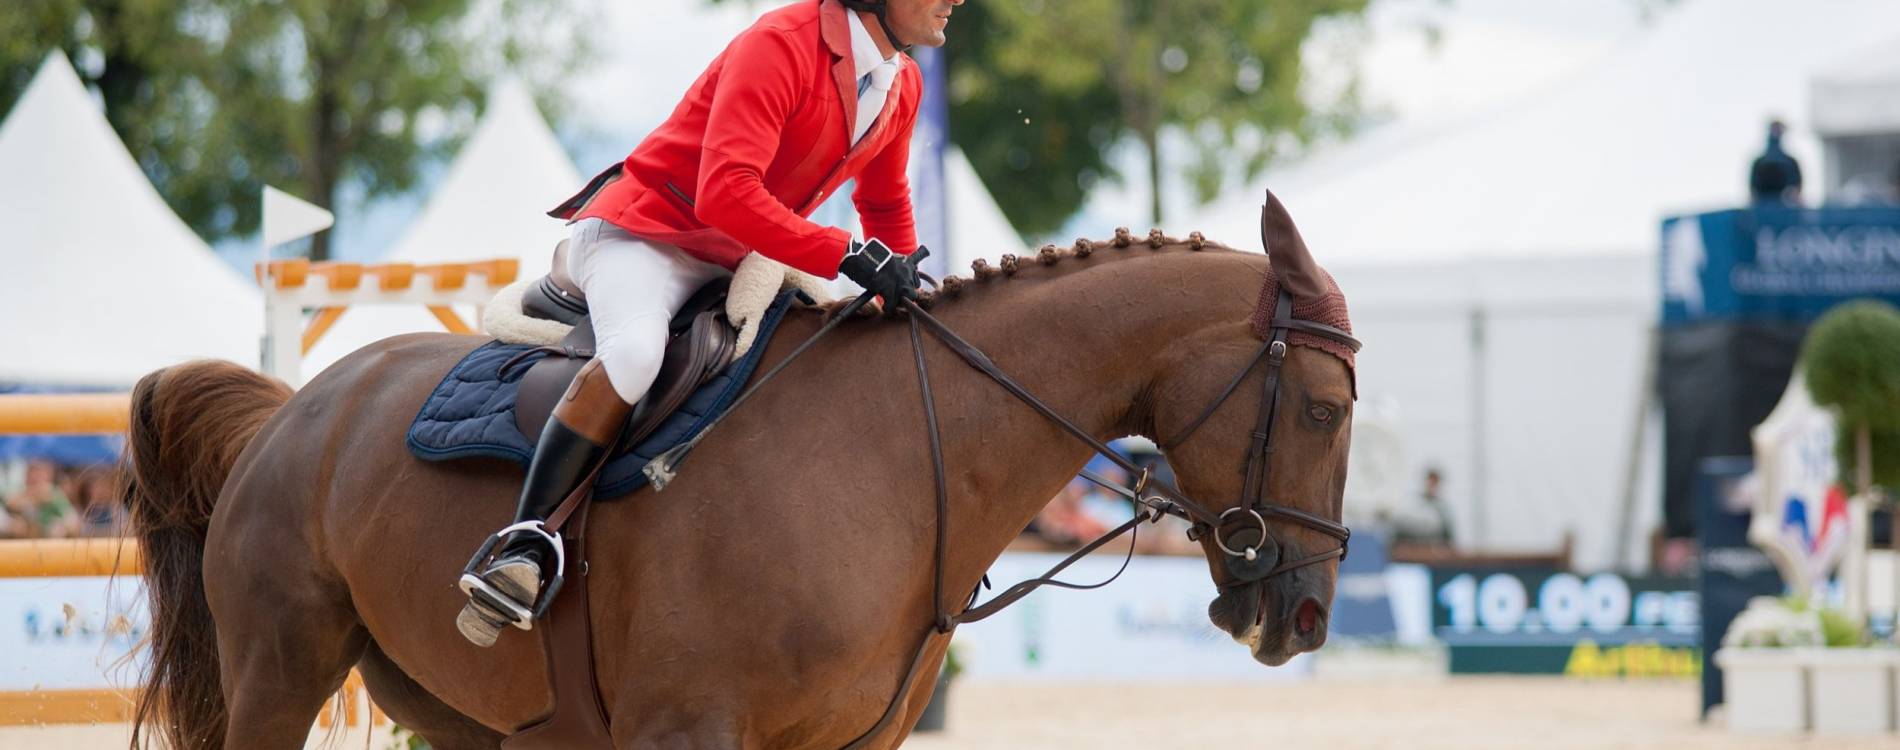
1316 297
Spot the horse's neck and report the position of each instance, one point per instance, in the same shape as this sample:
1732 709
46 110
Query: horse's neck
1091 343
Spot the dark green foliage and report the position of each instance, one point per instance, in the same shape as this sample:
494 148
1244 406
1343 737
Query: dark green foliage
1039 147
216 98
1228 75
1852 362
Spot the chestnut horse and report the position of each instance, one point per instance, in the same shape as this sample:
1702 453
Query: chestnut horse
774 595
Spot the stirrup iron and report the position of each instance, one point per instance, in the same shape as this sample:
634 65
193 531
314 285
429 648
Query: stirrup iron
519 614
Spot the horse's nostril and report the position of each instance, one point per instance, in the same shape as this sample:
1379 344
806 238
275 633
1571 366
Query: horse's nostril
1306 618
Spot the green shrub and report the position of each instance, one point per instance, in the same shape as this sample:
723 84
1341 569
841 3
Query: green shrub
1837 631
1852 362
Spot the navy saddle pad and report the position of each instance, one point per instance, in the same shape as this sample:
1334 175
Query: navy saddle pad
472 412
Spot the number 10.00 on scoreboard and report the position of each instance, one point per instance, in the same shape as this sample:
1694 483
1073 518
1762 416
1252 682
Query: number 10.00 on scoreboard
1555 622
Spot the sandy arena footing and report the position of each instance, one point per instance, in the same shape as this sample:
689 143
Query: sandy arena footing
1425 712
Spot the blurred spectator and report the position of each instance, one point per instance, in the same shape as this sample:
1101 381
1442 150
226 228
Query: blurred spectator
96 504
1066 521
1083 511
13 525
39 505
1775 177
1426 520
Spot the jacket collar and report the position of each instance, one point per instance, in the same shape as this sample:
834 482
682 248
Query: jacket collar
835 26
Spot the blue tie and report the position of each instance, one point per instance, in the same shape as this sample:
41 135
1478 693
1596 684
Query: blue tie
864 82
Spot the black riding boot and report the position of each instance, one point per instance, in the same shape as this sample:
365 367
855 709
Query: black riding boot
515 578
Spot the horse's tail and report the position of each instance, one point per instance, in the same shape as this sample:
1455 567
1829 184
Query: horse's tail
188 425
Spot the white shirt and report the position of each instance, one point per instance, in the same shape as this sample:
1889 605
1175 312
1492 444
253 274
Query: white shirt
882 71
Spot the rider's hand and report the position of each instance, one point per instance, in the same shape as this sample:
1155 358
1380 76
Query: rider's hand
881 271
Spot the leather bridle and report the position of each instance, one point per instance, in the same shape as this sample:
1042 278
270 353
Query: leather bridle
1250 552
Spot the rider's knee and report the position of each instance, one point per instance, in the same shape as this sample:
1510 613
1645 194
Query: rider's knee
633 359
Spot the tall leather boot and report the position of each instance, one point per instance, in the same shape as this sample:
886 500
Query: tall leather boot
585 423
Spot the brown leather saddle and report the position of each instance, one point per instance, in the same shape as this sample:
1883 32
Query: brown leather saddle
700 345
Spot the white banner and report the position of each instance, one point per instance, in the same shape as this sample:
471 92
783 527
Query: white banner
1150 624
70 633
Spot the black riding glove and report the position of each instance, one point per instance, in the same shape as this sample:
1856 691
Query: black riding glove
879 270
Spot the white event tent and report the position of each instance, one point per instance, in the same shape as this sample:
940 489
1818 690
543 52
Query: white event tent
977 227
1501 269
102 283
492 203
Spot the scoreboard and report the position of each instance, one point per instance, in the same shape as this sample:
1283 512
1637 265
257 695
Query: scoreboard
1543 621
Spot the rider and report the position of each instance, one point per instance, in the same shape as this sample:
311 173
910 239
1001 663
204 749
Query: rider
810 96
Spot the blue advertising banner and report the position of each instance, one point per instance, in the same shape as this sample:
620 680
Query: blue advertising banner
1773 263
929 194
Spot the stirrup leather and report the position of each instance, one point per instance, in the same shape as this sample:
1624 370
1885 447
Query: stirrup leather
519 614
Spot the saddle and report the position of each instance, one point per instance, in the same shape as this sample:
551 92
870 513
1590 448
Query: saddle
700 344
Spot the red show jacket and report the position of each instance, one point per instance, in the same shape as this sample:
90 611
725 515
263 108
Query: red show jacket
761 139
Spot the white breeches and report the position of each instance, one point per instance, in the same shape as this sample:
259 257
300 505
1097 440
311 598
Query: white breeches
633 288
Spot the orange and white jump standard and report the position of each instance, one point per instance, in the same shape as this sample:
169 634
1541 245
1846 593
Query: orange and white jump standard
329 289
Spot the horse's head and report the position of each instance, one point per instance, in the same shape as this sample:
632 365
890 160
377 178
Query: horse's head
1257 434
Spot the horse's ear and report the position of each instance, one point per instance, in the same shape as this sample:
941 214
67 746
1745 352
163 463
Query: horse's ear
1299 274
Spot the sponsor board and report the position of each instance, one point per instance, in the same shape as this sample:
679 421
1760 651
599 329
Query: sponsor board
1777 263
1533 621
71 633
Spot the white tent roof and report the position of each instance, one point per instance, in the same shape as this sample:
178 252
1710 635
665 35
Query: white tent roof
1860 94
491 204
977 226
102 282
1667 123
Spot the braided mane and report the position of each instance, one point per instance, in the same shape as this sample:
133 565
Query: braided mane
1048 255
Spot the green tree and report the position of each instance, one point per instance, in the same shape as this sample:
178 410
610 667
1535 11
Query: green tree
1225 74
217 97
1851 358
1039 147
135 53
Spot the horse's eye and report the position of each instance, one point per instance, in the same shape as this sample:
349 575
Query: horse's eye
1319 413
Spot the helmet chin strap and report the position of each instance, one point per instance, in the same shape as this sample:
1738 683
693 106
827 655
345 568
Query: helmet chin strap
881 9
